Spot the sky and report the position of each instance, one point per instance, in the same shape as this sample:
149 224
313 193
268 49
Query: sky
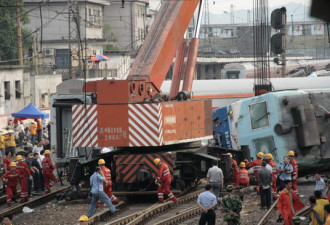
218 6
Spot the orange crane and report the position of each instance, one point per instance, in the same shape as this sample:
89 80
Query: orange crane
133 112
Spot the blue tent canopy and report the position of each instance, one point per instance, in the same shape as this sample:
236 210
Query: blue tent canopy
30 111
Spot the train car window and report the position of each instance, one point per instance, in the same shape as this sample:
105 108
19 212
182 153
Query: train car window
259 115
233 74
265 145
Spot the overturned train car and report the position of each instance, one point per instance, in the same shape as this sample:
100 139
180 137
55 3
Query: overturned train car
276 122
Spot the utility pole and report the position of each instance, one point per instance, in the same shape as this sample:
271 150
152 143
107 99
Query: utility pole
35 54
283 33
19 33
248 16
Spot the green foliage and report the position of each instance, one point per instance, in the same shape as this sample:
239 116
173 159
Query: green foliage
110 38
8 32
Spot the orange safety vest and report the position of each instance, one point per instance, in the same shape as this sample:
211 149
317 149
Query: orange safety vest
294 164
243 176
273 165
256 164
164 172
106 172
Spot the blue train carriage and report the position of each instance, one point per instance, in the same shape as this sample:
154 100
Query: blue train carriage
276 122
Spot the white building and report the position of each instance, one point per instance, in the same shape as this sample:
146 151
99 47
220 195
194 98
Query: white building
50 21
128 23
119 63
14 89
42 87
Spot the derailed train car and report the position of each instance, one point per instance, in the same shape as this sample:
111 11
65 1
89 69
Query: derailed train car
277 122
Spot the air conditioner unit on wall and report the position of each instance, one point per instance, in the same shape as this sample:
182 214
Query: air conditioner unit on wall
48 52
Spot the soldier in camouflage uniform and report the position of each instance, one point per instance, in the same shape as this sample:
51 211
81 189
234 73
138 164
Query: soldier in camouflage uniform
232 206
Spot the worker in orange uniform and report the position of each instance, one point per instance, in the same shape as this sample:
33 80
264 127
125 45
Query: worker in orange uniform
7 161
25 173
33 132
11 178
107 176
272 163
47 172
163 180
235 168
294 164
256 164
39 129
243 175
288 203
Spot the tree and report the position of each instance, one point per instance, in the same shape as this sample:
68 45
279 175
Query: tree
8 32
110 38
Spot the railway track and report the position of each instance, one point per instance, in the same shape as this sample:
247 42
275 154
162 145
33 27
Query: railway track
15 209
266 217
133 215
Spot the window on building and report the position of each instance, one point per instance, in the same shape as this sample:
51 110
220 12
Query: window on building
259 115
7 90
18 91
266 145
97 18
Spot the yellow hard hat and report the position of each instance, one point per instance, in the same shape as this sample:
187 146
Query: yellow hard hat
156 161
291 153
83 218
19 157
101 161
230 155
269 156
260 154
47 152
12 164
242 164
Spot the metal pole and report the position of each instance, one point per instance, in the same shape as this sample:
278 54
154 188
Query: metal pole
69 42
19 33
283 33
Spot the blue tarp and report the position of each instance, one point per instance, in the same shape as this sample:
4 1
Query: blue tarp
31 111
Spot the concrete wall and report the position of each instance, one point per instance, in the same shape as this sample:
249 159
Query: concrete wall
127 24
120 63
42 87
55 15
14 104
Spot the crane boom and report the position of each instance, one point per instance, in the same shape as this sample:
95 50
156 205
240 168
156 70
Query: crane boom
158 50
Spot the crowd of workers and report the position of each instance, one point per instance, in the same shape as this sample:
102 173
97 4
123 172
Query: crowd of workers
273 182
25 163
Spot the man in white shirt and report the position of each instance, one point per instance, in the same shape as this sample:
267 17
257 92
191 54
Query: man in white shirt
215 178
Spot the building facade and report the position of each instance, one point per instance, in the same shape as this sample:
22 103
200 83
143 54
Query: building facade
67 34
128 23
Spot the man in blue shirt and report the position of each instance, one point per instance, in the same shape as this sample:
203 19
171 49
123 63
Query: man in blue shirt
286 171
207 201
96 182
320 185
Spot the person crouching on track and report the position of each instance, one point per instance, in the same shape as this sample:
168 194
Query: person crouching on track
243 176
163 180
47 170
107 175
96 182
11 178
25 172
